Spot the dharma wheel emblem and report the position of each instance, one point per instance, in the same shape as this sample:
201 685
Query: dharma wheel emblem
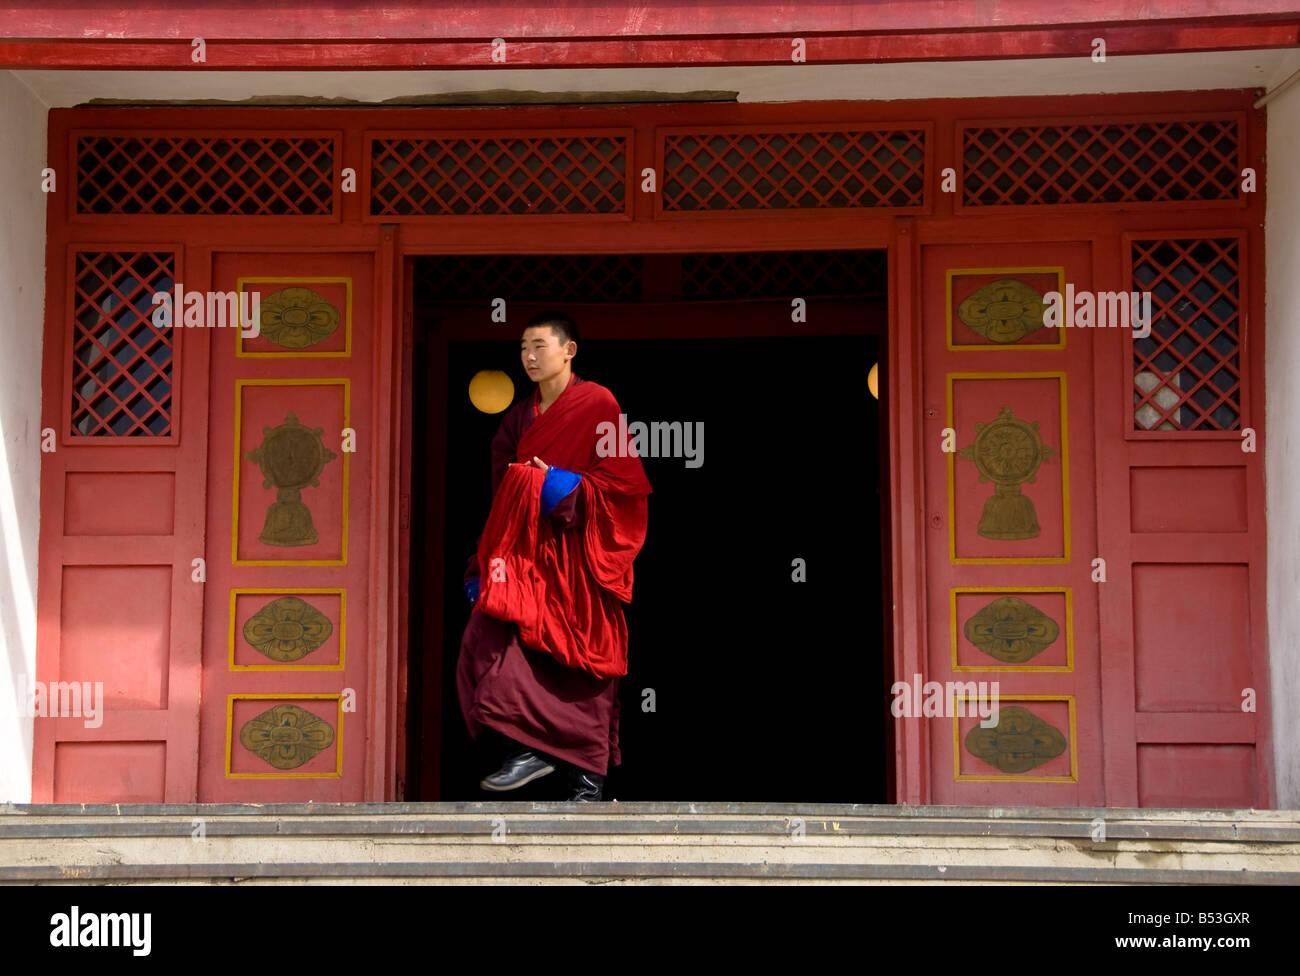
1011 630
1008 452
286 736
1003 311
291 457
287 629
297 318
1020 742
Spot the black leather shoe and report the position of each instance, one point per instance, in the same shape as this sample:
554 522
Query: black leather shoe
585 785
521 766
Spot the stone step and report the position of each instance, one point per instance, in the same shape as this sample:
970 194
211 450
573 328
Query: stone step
532 842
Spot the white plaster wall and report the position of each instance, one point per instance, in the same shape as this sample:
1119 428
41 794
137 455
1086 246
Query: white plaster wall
1282 450
22 316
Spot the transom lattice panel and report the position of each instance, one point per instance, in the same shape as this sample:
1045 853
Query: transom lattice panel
476 174
1187 373
783 274
1101 163
798 168
720 276
530 278
205 174
122 364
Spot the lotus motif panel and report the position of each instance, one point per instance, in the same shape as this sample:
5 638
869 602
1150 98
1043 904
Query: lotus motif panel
1011 630
1003 311
286 736
287 629
1020 742
297 318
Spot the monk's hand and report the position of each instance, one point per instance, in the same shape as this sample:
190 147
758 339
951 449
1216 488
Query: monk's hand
538 462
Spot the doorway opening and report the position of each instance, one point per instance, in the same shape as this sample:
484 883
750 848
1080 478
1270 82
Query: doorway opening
759 658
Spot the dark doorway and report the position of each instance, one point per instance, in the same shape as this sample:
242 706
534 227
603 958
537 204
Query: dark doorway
764 688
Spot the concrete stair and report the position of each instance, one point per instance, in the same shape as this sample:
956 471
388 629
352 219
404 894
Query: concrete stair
642 842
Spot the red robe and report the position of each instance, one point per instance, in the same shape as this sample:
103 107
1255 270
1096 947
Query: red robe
546 642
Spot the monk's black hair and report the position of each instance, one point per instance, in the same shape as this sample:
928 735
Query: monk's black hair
562 326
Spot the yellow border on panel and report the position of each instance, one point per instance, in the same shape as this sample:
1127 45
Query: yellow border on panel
1059 270
1065 476
287 590
1069 626
234 522
290 354
1071 745
230 729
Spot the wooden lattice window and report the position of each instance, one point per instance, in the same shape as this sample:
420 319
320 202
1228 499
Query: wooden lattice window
210 175
530 278
1187 374
475 174
796 168
758 275
592 278
1101 163
122 364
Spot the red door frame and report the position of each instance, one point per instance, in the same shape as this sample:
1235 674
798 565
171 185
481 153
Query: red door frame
642 230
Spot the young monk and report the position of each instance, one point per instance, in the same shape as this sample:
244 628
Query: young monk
546 641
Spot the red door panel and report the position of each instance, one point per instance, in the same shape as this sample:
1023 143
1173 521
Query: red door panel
1011 530
285 660
122 499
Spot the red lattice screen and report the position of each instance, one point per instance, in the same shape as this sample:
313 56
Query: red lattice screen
756 275
122 365
531 277
1101 163
1188 371
288 175
477 175
792 169
714 276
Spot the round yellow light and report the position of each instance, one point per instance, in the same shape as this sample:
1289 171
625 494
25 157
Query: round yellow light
873 380
491 390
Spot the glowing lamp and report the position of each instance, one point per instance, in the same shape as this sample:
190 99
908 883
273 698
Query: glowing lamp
873 380
491 390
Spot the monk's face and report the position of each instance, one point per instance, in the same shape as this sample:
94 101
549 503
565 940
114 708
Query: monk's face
542 355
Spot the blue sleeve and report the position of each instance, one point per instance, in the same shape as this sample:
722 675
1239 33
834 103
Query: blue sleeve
557 484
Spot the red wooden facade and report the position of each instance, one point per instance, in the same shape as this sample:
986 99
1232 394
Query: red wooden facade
281 675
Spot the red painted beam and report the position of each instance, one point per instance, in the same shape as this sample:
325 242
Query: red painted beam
616 52
253 20
269 34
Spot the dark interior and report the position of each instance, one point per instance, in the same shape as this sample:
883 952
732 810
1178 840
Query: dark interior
765 689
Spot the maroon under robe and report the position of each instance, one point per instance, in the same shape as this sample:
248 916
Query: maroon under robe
526 694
